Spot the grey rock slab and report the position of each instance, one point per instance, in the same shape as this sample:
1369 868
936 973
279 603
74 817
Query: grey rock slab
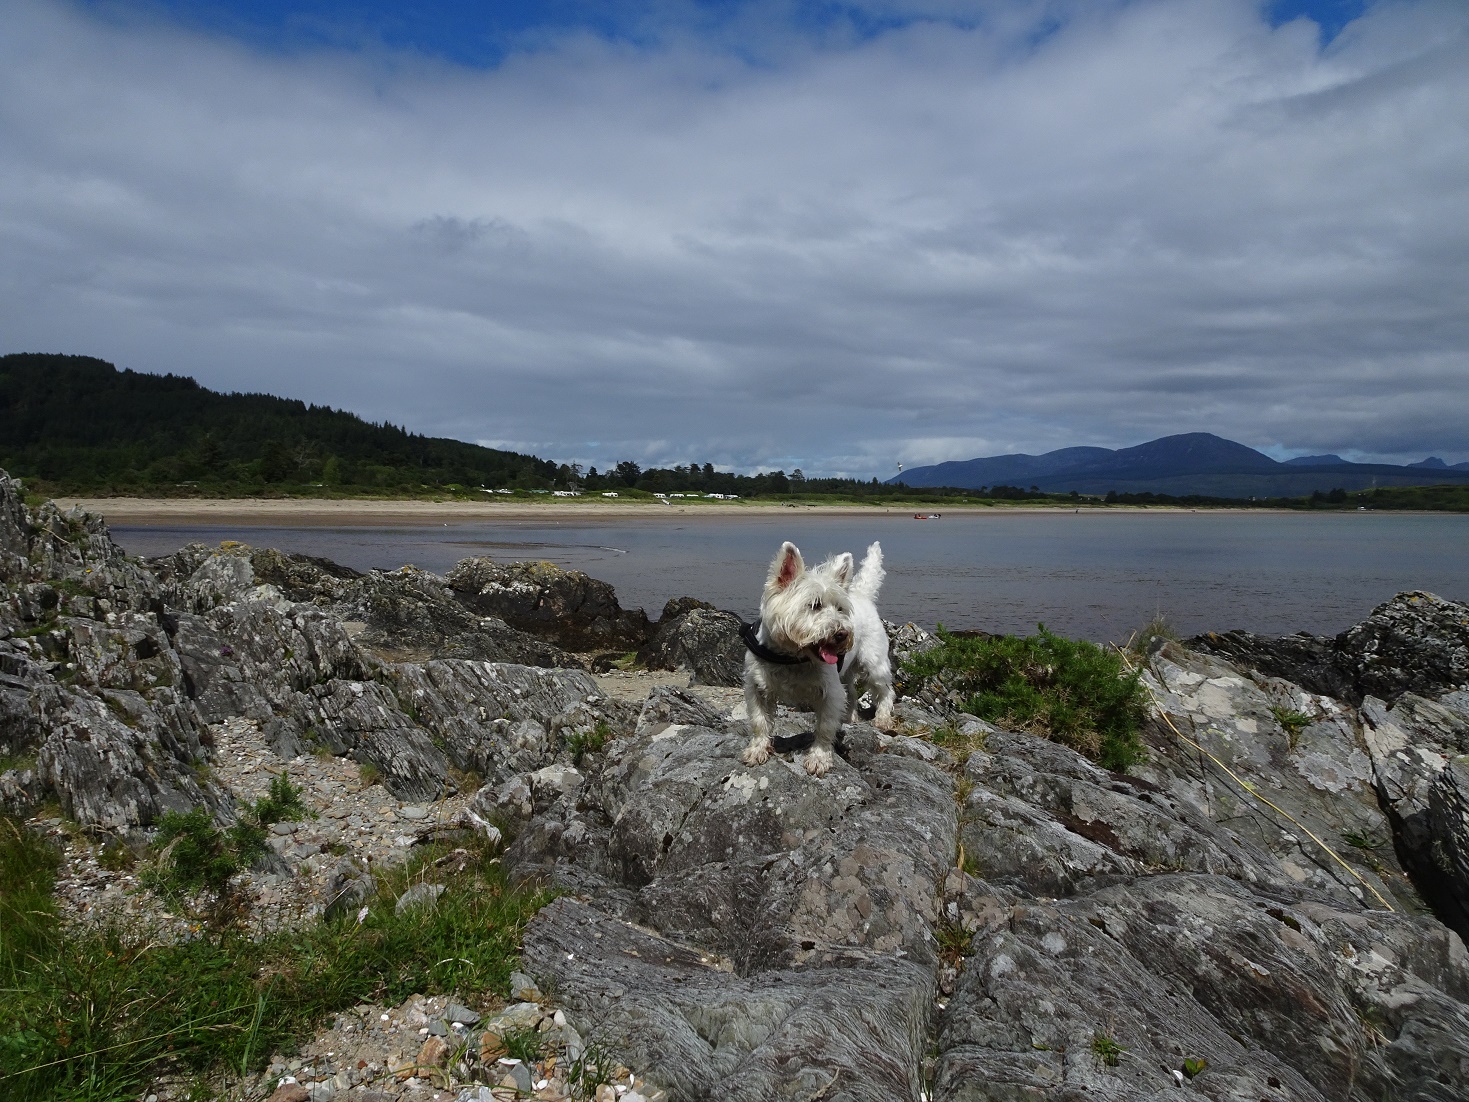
512 801
219 579
115 775
1278 995
1310 661
1417 642
666 706
71 554
303 578
1044 990
460 1014
836 1033
768 866
410 614
27 692
1322 782
255 656
129 650
350 886
364 718
521 1015
521 1074
494 640
1042 818
405 610
1412 744
499 719
523 988
906 641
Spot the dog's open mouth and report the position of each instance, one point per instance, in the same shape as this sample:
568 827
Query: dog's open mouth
828 653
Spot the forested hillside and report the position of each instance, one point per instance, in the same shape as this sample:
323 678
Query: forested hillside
78 424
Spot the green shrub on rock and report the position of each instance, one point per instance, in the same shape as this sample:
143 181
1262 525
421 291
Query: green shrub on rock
1068 690
191 854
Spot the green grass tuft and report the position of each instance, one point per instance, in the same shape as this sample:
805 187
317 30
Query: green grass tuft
1158 626
1107 1051
1293 723
96 1014
582 743
1068 690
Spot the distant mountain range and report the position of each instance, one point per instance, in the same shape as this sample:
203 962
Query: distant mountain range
1191 463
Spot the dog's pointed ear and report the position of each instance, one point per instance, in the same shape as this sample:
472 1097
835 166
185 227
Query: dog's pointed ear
787 567
841 569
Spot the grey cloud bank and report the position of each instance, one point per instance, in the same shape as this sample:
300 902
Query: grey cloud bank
936 244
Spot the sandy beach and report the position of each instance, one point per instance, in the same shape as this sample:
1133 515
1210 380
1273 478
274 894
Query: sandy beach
304 512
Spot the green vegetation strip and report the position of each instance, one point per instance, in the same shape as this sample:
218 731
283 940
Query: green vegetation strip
94 1015
1068 690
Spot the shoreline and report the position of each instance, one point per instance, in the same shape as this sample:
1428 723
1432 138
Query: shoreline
369 512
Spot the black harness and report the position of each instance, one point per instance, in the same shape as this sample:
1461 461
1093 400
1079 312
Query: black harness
749 635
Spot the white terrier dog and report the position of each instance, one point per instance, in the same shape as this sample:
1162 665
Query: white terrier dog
819 642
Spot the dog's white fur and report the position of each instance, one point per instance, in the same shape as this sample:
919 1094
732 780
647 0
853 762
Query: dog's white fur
818 615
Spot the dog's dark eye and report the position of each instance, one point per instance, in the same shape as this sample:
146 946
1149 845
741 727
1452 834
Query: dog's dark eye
815 606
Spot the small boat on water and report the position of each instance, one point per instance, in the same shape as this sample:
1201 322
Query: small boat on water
928 516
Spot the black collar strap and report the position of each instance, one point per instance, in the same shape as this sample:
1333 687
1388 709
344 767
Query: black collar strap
748 634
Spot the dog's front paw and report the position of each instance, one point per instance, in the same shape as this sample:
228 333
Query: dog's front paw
888 723
757 753
818 761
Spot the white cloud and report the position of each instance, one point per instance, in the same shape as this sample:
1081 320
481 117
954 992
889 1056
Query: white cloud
935 243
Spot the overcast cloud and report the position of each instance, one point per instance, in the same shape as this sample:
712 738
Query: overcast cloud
1011 227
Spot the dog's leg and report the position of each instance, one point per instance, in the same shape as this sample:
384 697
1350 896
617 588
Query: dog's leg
760 710
881 687
829 717
853 685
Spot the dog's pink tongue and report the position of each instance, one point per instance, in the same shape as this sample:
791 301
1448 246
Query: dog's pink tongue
829 656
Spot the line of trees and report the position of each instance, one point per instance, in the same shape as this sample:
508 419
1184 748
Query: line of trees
705 479
78 423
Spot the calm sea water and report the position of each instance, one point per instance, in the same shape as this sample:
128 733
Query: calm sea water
1091 575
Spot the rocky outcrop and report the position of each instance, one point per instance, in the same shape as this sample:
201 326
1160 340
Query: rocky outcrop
1318 773
92 701
856 1032
695 636
111 672
953 913
1416 642
412 615
303 579
116 763
498 720
396 615
749 931
1191 980
1230 920
563 606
